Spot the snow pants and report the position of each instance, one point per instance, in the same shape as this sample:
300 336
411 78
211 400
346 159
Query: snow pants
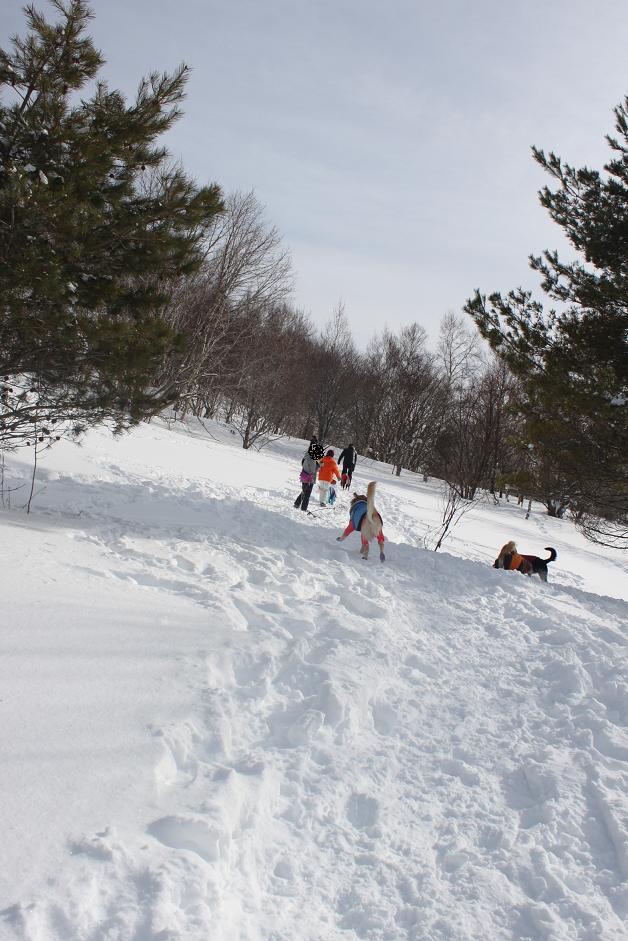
323 491
303 499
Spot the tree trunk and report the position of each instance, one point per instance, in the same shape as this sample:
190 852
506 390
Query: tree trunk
230 411
246 440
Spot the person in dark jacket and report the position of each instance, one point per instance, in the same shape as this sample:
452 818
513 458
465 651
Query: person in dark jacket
309 469
348 458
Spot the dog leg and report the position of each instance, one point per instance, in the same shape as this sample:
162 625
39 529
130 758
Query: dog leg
380 543
364 551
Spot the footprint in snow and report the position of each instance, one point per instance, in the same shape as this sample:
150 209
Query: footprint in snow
362 811
97 846
384 718
180 562
414 664
459 769
305 729
187 833
361 606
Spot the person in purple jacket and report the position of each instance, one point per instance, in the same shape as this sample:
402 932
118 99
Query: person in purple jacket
309 469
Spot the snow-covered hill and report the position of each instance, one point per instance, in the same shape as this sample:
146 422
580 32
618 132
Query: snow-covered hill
218 723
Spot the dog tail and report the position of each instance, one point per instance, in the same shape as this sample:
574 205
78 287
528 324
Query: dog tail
370 500
552 552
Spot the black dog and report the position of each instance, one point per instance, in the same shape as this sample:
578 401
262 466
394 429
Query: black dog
510 558
539 566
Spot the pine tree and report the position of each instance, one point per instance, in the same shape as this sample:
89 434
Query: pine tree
573 359
95 224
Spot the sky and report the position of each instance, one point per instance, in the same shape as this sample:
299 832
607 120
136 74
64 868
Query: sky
389 142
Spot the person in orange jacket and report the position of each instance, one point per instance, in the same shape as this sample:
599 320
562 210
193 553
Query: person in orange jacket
328 474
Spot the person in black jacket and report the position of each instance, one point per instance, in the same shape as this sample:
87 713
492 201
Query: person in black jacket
348 458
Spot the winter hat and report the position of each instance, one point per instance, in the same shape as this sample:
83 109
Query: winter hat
330 453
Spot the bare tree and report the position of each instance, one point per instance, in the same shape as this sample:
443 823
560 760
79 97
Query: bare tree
246 260
459 351
246 268
368 392
271 364
412 402
210 332
332 373
468 450
453 506
500 392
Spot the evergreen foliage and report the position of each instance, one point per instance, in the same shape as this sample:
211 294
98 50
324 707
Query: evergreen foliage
573 359
95 226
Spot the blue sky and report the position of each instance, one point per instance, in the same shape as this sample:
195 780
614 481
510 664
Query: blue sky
389 142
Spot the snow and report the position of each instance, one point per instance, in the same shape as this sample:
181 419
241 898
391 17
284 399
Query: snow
218 723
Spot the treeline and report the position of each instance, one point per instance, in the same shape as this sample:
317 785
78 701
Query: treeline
252 359
126 287
259 364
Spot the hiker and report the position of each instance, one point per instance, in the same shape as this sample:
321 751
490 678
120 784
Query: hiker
327 475
348 458
309 468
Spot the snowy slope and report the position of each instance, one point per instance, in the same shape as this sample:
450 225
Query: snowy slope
217 723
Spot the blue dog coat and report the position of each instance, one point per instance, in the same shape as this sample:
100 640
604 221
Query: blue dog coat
357 514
